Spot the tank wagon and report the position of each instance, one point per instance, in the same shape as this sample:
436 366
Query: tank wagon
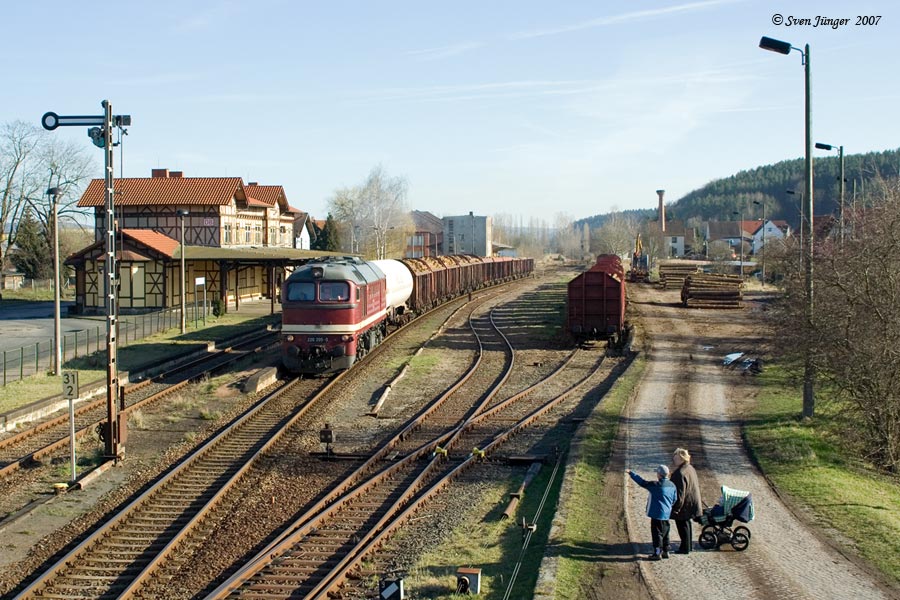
337 309
596 302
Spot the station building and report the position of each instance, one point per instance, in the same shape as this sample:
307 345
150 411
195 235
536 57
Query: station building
239 238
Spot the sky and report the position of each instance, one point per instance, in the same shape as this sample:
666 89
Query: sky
528 108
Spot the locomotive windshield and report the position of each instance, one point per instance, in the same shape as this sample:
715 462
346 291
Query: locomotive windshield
334 291
301 291
329 291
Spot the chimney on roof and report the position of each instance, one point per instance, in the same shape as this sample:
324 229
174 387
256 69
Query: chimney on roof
164 173
176 174
662 211
252 183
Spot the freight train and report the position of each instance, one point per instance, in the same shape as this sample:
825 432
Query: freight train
596 303
336 309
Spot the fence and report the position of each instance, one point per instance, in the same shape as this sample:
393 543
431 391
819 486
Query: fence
25 361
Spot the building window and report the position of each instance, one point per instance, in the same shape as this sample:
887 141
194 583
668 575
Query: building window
273 236
257 234
247 233
228 233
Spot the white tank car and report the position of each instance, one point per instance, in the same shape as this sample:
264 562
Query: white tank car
399 283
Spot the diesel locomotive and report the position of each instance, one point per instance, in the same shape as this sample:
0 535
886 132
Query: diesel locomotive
337 309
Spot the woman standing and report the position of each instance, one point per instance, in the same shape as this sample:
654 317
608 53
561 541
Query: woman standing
687 504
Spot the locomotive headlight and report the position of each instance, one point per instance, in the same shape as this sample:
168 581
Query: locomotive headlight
289 338
346 338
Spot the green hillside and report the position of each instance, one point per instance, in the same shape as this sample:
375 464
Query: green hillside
718 199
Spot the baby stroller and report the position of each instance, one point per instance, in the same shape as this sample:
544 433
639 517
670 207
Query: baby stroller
717 521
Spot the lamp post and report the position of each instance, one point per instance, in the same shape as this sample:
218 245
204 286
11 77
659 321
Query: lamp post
183 213
840 150
740 215
763 247
54 194
809 374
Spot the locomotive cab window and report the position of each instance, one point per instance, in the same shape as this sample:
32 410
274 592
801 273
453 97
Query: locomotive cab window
334 291
301 291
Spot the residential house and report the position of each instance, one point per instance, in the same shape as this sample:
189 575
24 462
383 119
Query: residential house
767 232
678 239
304 230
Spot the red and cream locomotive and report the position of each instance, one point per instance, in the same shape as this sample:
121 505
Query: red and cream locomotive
336 309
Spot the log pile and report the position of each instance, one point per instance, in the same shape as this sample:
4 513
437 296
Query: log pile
672 275
706 290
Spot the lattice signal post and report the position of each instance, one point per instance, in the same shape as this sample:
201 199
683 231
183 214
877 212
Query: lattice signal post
100 132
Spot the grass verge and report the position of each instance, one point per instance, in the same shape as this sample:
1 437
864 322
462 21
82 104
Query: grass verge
583 529
805 460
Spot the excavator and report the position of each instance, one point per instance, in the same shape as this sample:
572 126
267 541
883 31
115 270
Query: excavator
640 263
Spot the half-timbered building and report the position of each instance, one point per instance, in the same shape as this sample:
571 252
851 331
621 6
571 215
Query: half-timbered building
238 239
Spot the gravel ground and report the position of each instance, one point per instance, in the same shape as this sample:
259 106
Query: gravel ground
686 398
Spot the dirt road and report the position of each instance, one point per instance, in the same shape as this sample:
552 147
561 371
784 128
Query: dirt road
686 399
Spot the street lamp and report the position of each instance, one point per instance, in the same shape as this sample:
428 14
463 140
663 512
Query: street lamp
763 247
840 150
741 239
809 375
183 213
54 194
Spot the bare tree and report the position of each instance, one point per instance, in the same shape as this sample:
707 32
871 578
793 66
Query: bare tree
375 213
616 235
31 162
18 144
855 327
568 236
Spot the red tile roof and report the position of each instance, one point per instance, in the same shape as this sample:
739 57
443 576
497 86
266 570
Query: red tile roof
140 191
266 193
251 201
155 240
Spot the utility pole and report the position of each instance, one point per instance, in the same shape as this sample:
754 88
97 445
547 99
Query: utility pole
57 334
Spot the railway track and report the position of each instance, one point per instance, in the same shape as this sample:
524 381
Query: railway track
317 555
139 539
52 435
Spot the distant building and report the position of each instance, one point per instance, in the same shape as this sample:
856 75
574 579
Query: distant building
468 234
11 280
428 235
304 230
733 232
678 239
504 250
774 230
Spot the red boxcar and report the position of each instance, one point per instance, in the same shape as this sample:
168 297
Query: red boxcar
596 301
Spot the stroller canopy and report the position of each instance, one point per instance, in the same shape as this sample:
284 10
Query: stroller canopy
737 503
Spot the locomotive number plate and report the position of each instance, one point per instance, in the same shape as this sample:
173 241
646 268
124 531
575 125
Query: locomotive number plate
316 339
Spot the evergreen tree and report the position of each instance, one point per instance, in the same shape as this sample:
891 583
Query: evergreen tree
32 254
329 238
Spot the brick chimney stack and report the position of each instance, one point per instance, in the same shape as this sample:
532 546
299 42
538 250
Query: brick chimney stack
662 211
162 173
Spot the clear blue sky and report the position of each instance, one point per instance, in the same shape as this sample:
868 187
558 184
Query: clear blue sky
517 107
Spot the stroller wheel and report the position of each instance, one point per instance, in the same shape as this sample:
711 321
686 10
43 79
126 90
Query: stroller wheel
740 539
708 538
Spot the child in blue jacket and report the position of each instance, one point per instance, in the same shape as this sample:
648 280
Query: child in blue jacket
659 508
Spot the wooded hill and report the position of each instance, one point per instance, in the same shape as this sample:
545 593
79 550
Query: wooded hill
718 199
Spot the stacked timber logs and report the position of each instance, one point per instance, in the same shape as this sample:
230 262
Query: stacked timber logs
671 275
706 290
